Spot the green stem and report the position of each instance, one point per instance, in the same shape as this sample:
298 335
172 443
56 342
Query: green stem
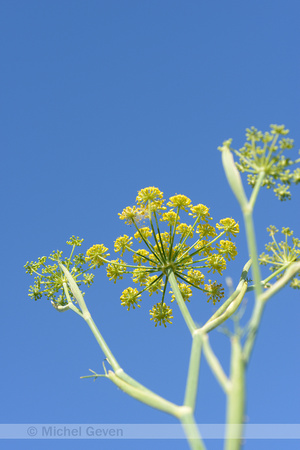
191 431
145 396
215 365
236 185
184 239
259 304
99 338
253 252
249 225
256 189
193 372
253 328
182 306
235 398
70 304
148 244
173 237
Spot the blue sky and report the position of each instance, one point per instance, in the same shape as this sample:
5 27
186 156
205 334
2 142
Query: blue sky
98 100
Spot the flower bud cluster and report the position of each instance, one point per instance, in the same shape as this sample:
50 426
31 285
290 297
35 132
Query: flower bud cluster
282 254
49 278
265 153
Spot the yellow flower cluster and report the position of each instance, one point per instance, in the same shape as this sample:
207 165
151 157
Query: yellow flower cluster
96 255
122 243
161 313
169 251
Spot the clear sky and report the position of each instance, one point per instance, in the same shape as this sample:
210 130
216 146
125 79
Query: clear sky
98 100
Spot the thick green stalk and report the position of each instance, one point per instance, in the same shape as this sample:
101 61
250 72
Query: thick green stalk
259 304
193 372
253 328
145 396
99 338
191 430
258 288
253 252
235 398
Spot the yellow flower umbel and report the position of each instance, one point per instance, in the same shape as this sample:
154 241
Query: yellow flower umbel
169 251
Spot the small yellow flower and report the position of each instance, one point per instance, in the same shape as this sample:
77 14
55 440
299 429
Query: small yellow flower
185 230
227 249
205 230
161 313
279 129
170 217
140 276
295 283
96 254
196 277
122 243
150 195
130 297
138 256
115 271
216 263
229 225
145 232
185 290
272 230
214 291
165 237
155 287
204 247
200 211
133 214
179 201
287 231
183 250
